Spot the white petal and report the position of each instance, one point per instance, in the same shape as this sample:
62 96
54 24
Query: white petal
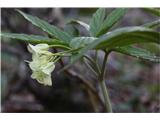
39 76
42 78
36 77
42 47
48 80
34 66
37 48
49 68
31 48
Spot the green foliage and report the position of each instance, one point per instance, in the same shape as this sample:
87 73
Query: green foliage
121 37
72 30
154 11
97 20
79 42
33 38
127 36
78 22
100 38
138 52
50 29
100 24
153 25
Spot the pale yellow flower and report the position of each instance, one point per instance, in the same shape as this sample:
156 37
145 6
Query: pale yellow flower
41 64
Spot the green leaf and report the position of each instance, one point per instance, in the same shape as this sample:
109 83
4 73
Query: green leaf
71 30
152 47
97 21
138 53
50 29
154 11
111 19
78 22
79 42
100 25
32 38
127 36
154 24
119 38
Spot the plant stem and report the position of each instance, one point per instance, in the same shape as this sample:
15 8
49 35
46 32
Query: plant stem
93 65
103 85
60 46
108 106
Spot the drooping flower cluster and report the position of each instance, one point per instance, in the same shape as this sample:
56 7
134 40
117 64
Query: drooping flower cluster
42 63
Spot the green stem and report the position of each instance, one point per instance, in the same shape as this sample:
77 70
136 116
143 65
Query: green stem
64 52
96 56
103 85
93 65
60 46
108 106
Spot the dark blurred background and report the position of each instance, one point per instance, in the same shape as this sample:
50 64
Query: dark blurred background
133 84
